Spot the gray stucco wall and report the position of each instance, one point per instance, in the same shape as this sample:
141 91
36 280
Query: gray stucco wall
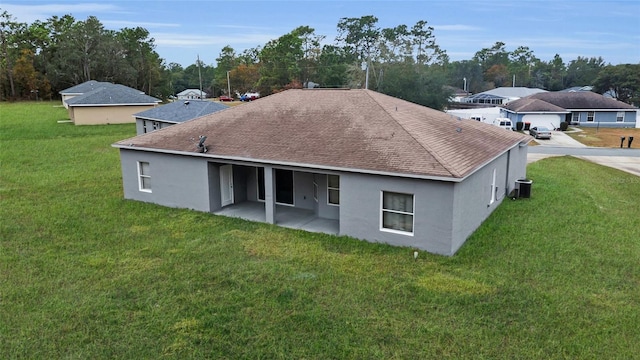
176 181
472 197
360 211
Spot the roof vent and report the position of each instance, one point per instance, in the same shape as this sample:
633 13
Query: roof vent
202 148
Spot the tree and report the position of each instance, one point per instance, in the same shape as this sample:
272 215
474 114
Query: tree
583 71
25 75
521 63
10 31
621 81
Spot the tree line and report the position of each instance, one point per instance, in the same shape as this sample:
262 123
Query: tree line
37 60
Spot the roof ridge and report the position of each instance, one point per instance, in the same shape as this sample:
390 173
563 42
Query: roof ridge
426 147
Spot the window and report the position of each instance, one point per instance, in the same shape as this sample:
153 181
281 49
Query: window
575 117
493 188
144 177
156 125
397 212
620 116
333 189
144 126
591 116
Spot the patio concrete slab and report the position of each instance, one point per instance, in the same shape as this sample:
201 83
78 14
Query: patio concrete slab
286 216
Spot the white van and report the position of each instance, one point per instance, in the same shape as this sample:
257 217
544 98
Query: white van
503 123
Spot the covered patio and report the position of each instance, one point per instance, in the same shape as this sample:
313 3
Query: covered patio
286 216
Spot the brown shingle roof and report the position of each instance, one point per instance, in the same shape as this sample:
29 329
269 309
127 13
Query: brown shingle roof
333 128
529 104
580 100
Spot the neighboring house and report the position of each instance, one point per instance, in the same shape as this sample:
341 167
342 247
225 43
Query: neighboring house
79 89
348 162
174 113
584 108
108 104
501 95
457 94
192 94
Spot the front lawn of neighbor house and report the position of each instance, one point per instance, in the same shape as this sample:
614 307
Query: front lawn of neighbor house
85 274
606 137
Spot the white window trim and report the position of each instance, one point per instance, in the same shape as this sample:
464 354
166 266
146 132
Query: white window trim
576 117
332 188
141 176
593 119
620 114
413 215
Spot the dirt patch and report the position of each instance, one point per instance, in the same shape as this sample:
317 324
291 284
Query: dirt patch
607 137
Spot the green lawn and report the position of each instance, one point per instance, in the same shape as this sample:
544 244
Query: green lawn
85 274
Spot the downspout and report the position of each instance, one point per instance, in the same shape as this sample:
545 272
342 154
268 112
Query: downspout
506 180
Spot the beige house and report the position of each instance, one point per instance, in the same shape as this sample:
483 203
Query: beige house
78 90
108 104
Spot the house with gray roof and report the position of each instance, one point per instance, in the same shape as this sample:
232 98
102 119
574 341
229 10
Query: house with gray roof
583 108
192 94
173 113
79 89
356 163
108 104
501 95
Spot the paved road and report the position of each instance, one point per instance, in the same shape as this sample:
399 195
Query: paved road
583 151
624 159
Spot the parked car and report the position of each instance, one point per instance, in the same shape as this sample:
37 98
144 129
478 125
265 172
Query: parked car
540 132
225 98
249 96
503 123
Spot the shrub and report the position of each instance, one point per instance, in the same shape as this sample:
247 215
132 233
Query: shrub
564 126
519 126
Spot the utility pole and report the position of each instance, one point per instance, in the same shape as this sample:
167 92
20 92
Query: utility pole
228 84
200 76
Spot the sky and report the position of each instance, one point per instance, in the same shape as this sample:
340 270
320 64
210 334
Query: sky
185 30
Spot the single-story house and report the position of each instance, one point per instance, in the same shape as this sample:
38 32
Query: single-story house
79 89
109 104
173 113
192 94
584 108
501 95
349 162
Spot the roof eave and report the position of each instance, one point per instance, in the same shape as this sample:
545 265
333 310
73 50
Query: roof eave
292 164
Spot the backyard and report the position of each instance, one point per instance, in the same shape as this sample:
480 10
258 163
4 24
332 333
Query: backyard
87 274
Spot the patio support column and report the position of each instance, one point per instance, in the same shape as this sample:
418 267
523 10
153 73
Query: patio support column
269 200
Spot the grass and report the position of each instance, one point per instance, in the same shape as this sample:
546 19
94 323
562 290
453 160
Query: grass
606 137
86 274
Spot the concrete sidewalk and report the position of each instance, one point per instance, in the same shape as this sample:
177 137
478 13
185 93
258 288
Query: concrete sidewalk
625 163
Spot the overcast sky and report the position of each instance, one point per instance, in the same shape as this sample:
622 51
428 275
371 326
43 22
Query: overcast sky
184 30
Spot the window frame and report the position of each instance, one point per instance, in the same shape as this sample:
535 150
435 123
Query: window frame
333 188
412 214
575 117
591 115
620 116
144 186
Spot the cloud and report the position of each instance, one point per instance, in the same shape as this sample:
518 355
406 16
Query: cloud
122 23
458 27
182 40
31 13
